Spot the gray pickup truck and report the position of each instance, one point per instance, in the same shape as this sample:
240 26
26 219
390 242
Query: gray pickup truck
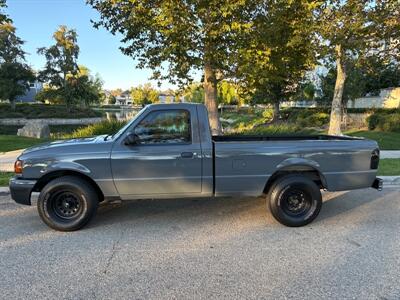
167 151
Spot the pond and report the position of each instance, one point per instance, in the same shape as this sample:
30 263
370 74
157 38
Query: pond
120 115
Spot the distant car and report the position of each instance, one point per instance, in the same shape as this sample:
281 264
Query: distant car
167 151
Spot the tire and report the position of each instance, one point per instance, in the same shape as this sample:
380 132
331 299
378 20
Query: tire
294 200
67 203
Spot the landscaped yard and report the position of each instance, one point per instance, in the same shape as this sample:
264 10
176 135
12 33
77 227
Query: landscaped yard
389 167
41 111
386 140
5 177
13 142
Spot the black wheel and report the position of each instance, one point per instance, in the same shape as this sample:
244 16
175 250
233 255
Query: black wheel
294 200
67 203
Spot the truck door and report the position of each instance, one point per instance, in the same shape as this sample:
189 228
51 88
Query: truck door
166 160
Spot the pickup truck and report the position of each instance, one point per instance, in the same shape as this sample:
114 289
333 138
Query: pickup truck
167 151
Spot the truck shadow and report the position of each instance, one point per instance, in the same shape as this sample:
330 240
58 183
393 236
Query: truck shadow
205 209
338 203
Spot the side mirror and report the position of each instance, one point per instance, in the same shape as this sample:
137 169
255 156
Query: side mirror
131 139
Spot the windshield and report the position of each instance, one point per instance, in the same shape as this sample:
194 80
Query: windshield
122 130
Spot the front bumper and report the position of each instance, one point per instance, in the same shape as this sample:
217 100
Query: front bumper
21 190
378 184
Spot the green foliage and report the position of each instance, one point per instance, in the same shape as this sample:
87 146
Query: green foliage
104 127
61 68
3 16
183 34
15 74
194 92
367 76
274 129
278 52
42 111
144 94
384 121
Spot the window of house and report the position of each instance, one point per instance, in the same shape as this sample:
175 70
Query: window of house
165 127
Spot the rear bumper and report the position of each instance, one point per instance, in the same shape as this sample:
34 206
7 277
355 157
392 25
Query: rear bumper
21 190
378 184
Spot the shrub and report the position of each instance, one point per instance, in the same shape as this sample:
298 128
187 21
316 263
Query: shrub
385 121
41 111
274 129
104 127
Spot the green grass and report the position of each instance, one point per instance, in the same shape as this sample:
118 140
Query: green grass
389 167
386 140
13 142
5 177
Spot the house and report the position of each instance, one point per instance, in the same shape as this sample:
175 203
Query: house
166 97
124 99
29 97
387 98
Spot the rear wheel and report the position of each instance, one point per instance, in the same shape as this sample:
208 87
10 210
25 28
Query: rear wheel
67 203
294 200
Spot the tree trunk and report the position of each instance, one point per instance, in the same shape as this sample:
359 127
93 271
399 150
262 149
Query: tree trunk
210 90
336 110
275 116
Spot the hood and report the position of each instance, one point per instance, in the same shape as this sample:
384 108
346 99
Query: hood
64 143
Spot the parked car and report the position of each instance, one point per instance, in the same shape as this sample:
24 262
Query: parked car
167 151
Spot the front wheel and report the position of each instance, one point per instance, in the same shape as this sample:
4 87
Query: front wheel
67 203
294 200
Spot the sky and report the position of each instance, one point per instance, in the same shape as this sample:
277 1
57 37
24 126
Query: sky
36 20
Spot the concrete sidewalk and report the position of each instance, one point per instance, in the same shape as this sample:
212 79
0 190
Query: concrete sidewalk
7 160
390 154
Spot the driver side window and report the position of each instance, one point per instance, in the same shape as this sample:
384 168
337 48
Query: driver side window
164 127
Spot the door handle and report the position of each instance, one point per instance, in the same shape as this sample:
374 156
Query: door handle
187 154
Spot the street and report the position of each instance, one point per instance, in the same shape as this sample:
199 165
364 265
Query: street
206 248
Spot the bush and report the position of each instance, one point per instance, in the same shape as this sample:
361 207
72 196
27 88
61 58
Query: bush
385 121
274 129
44 111
104 127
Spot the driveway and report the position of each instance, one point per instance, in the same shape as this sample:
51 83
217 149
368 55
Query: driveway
206 249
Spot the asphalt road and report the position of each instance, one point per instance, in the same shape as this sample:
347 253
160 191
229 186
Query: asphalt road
206 249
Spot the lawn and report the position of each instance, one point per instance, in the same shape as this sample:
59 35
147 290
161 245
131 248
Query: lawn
13 142
386 140
389 167
5 177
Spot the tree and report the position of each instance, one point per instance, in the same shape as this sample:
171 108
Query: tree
363 77
3 16
144 94
187 35
279 51
194 92
15 74
354 29
61 65
83 88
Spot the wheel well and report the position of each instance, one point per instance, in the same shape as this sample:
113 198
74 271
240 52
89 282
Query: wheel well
309 172
56 174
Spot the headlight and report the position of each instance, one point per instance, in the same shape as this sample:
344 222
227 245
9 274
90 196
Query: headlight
18 167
